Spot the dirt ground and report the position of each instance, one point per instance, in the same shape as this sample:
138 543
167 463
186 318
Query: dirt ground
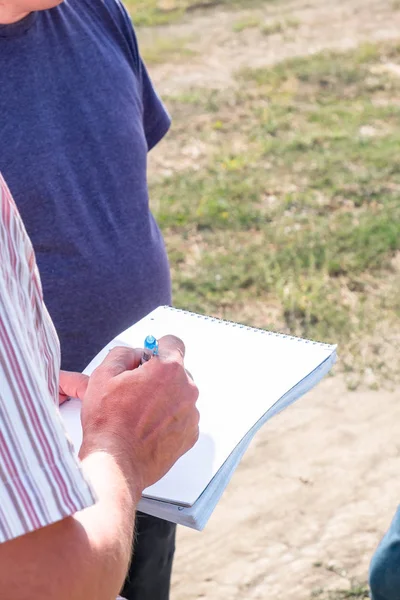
321 24
307 505
319 485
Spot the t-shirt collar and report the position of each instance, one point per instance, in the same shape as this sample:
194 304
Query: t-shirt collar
19 27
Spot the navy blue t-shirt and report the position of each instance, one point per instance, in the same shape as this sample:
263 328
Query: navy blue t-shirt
78 115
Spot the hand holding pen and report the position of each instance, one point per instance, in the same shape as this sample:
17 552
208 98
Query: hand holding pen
156 421
150 348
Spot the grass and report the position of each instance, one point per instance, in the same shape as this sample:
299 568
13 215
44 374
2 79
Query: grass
278 26
357 591
249 22
354 588
156 12
164 49
161 12
292 219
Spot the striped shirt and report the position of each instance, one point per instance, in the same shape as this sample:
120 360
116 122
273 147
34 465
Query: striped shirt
41 481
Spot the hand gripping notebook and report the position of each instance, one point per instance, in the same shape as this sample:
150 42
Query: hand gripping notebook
245 376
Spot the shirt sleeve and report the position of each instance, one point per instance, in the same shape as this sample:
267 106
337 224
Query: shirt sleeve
41 481
156 119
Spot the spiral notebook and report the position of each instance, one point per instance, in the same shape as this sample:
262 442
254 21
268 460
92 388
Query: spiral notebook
245 376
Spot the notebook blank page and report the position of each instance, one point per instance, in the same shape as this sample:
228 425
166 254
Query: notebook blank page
240 373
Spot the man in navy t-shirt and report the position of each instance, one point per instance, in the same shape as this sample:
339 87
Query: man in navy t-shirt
78 115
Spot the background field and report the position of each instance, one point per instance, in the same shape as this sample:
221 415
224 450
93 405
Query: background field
278 191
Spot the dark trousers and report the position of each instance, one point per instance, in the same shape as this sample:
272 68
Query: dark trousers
149 575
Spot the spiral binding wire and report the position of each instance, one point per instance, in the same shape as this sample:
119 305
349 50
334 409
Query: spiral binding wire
248 328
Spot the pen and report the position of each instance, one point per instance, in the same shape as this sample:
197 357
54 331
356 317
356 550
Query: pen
150 348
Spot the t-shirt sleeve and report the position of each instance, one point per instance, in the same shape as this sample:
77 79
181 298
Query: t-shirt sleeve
156 120
41 481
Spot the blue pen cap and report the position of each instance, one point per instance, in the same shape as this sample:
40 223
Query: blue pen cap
150 343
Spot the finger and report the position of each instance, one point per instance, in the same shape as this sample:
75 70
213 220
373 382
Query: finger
73 385
172 348
121 359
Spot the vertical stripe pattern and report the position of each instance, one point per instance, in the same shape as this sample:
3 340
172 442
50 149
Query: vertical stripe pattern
40 479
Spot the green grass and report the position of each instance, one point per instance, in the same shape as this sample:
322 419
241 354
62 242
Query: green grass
274 27
292 221
249 22
161 12
153 12
165 49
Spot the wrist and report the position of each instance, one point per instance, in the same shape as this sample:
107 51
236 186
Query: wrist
109 448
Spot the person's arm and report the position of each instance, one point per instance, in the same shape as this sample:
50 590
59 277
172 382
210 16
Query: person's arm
156 120
136 424
84 557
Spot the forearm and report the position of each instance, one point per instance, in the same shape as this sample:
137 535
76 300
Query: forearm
109 524
84 557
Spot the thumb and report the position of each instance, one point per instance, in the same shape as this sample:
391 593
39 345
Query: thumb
73 385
